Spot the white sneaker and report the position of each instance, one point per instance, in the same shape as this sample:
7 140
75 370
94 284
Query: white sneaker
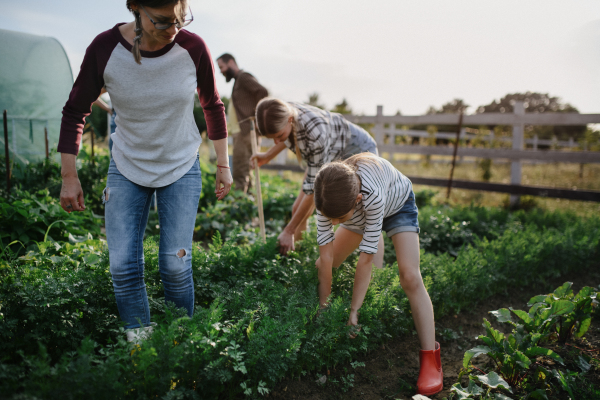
136 335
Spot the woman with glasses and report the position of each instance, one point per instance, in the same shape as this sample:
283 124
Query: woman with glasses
151 68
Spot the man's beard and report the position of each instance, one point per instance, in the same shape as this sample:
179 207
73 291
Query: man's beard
229 75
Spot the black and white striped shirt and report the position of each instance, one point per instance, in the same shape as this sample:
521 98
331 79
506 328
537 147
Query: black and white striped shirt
322 137
384 190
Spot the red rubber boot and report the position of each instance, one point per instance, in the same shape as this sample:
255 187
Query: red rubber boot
431 378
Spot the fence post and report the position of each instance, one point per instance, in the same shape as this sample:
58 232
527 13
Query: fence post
378 130
458 132
7 154
517 144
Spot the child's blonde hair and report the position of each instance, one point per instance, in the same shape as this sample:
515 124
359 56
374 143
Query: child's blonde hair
337 185
271 117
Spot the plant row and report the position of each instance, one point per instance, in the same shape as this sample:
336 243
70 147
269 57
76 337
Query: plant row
527 363
256 313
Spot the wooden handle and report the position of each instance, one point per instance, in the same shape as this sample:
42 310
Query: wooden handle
261 214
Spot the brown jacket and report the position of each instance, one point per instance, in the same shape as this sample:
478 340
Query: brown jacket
246 94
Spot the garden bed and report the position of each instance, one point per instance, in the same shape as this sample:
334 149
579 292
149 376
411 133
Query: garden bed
391 370
255 322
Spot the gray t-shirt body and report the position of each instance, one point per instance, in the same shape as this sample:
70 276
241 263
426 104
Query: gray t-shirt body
156 140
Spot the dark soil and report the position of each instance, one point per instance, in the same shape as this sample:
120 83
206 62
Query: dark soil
391 371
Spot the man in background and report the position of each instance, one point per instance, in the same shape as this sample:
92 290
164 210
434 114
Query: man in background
247 92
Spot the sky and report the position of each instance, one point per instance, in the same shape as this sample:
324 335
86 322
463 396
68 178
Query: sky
405 55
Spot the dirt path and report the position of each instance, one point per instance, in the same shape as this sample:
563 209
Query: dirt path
391 372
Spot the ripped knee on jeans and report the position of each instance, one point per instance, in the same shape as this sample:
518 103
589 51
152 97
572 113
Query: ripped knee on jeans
181 253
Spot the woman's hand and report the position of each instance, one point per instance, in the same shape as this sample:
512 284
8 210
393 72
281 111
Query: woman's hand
259 159
71 195
286 241
224 179
223 182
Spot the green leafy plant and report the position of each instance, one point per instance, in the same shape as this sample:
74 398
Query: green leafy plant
515 356
249 295
37 217
562 313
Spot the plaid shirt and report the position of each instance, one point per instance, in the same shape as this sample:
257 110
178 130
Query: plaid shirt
322 137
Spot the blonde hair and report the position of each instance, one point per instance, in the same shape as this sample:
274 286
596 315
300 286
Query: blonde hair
271 117
137 41
337 185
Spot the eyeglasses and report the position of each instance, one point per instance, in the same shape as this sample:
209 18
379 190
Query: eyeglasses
166 25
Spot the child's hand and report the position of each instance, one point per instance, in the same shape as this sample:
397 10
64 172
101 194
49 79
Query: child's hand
259 159
353 320
286 242
318 263
353 323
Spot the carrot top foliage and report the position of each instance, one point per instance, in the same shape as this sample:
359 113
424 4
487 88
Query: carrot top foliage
255 319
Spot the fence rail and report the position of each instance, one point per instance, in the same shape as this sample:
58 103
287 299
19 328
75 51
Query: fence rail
546 155
491 119
392 133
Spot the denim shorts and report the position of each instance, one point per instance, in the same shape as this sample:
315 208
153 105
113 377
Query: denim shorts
360 142
405 220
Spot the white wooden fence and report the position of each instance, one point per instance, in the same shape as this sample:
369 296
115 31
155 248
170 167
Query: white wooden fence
385 128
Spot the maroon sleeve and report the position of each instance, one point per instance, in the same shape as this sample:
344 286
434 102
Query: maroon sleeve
86 90
214 110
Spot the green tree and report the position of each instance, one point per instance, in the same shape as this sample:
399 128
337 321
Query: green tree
99 121
538 103
342 108
451 107
313 100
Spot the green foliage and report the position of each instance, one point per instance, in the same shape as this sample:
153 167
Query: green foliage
233 216
343 107
515 356
559 315
55 297
486 168
37 217
313 100
256 318
537 103
45 174
98 120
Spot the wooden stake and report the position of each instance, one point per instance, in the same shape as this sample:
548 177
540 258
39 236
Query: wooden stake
261 214
7 154
92 135
46 140
460 118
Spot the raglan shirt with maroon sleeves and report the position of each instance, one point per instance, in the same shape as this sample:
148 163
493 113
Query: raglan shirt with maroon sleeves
156 140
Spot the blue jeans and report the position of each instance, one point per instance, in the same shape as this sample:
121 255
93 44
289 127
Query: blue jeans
405 220
126 215
360 142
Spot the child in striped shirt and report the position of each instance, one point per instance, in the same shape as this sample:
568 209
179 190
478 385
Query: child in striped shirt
366 194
